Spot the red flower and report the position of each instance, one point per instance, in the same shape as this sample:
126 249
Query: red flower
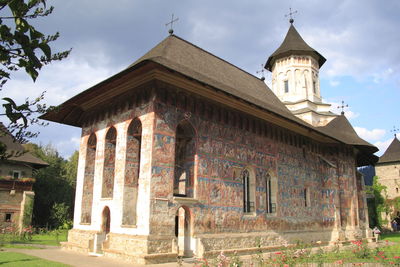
278 253
396 257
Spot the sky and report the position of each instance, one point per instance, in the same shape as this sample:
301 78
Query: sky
359 39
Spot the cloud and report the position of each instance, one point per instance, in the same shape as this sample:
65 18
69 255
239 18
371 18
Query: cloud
383 76
334 83
61 80
370 135
382 146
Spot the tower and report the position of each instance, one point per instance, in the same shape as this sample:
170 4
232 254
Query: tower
295 79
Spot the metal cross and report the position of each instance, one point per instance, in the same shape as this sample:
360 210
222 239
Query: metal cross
342 107
171 31
291 20
395 130
262 72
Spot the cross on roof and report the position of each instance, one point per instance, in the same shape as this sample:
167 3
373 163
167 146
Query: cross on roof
291 20
262 72
395 130
342 107
171 31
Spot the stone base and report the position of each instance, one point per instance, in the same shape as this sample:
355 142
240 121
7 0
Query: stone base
160 249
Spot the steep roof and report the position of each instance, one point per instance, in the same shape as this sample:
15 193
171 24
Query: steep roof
341 129
392 153
293 44
192 61
15 148
188 59
197 64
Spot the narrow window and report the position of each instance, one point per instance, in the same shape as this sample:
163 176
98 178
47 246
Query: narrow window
286 86
8 217
246 191
109 163
185 145
88 180
315 87
270 196
132 171
306 197
397 190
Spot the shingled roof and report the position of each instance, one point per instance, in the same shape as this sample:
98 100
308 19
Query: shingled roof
188 59
17 150
392 153
293 44
197 64
341 129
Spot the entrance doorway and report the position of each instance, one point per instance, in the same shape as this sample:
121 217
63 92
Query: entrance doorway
105 227
100 237
183 232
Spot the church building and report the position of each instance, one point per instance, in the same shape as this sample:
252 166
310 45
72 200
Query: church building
388 173
183 153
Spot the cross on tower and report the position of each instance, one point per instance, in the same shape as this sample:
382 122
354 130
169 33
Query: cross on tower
262 72
171 31
291 20
394 130
342 107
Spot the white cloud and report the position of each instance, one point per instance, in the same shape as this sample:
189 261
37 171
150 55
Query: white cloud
334 83
383 76
60 80
382 146
370 135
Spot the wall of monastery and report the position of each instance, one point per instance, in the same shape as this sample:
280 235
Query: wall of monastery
314 187
389 176
224 148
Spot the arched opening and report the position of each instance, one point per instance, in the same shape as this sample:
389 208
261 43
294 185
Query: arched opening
106 220
183 231
248 191
185 146
270 196
88 180
109 163
132 170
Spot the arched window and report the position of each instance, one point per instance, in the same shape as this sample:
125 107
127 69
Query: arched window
270 194
248 191
185 145
88 180
109 163
132 170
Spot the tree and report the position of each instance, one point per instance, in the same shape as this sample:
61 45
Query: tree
54 190
22 46
379 204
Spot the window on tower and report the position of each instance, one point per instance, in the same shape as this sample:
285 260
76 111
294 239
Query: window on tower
286 86
315 87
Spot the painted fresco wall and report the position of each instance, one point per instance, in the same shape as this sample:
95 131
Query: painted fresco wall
314 187
132 168
222 153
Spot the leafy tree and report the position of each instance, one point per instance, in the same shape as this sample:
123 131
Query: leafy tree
379 204
54 191
22 46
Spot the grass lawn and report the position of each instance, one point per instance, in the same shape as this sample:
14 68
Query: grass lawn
18 259
51 238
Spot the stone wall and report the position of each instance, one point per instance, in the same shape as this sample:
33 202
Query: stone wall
389 176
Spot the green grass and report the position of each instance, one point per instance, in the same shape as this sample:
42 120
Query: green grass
51 238
13 259
393 237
